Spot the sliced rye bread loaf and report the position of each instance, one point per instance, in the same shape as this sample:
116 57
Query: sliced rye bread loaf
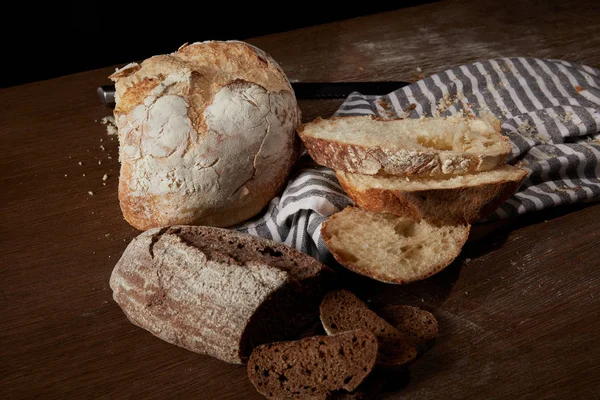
456 199
216 291
312 367
418 324
342 311
390 248
427 146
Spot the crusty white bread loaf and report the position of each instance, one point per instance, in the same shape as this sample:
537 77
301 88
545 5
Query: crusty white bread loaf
342 311
390 248
206 134
427 146
455 199
216 291
312 367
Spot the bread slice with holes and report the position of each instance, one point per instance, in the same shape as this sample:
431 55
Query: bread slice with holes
312 367
426 146
342 311
460 198
391 248
418 324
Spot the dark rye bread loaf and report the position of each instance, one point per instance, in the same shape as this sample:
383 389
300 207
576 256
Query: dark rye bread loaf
343 311
312 367
216 291
420 325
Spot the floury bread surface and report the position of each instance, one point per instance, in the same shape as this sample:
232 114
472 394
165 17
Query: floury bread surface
206 134
216 291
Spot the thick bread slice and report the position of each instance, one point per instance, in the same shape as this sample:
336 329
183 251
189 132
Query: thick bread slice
343 311
420 325
312 367
216 291
426 146
390 248
456 199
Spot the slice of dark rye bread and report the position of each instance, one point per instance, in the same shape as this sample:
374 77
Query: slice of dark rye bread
342 311
216 291
312 367
420 325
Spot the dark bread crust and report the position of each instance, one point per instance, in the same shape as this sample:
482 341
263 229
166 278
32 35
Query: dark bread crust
312 367
454 205
342 311
217 292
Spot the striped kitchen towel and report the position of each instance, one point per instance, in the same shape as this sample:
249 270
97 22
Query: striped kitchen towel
549 109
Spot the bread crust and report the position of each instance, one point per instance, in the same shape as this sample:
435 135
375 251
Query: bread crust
451 205
206 134
352 265
372 160
215 291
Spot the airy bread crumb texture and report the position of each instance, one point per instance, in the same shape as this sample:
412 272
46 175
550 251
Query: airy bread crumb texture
390 248
416 183
425 146
454 133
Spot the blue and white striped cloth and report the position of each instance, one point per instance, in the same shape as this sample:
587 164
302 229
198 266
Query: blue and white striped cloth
549 109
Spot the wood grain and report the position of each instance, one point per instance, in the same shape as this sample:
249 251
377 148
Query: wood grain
518 311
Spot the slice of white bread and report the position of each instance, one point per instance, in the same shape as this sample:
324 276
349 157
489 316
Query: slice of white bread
427 146
390 248
456 199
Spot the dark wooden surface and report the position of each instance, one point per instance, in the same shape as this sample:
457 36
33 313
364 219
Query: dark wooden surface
518 311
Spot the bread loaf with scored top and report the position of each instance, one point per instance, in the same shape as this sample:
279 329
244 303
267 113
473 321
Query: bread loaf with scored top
216 291
206 135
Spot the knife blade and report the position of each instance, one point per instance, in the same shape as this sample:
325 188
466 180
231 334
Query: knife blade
303 90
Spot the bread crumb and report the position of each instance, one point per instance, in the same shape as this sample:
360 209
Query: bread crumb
579 89
467 260
102 148
525 128
105 177
467 293
90 193
103 183
82 174
111 126
80 163
99 162
568 117
102 140
444 103
65 175
109 157
361 68
107 235
513 263
419 69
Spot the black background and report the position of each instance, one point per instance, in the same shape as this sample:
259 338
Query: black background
42 41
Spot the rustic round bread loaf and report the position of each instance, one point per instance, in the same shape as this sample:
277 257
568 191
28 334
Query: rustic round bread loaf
206 134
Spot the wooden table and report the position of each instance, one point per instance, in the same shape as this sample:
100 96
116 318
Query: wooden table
518 312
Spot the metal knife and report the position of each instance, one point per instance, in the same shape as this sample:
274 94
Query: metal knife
304 90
